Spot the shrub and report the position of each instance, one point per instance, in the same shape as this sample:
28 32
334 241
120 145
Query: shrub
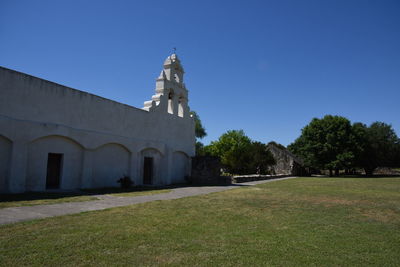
125 181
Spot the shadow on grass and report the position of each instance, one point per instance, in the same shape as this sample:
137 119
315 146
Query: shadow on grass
113 190
29 196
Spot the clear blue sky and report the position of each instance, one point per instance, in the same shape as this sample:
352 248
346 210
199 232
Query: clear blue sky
267 67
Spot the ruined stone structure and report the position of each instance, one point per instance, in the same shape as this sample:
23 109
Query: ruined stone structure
55 137
286 162
206 170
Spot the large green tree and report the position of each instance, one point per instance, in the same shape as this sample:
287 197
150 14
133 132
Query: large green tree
199 130
378 146
239 154
326 143
200 133
333 143
233 148
262 158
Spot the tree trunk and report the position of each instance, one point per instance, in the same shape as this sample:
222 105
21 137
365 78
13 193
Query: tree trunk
369 171
336 172
330 173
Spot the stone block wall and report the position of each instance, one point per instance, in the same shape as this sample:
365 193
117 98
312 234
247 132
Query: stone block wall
206 170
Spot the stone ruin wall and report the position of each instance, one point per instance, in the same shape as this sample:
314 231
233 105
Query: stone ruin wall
286 162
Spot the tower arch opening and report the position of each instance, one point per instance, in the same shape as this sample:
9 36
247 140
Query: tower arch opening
171 102
181 109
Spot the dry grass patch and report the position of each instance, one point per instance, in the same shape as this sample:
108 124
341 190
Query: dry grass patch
383 216
330 201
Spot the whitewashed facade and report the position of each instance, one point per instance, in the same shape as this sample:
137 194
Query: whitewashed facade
55 137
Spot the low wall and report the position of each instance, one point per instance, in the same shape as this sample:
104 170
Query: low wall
255 177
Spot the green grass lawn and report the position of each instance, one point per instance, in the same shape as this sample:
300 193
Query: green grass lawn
128 192
298 222
141 193
31 199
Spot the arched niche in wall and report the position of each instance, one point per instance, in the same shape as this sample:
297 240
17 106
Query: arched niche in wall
54 162
110 163
5 155
151 166
180 167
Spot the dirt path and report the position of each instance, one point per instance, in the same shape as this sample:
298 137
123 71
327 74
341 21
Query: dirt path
18 214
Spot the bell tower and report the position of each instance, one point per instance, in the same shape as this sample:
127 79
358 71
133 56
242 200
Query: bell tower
171 93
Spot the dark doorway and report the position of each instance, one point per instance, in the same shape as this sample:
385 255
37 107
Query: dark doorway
147 170
54 164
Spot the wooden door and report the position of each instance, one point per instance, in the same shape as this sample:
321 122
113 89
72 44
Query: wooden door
148 170
54 162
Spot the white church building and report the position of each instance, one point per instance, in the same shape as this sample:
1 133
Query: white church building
55 137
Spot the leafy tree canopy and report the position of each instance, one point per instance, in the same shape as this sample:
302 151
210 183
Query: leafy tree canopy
377 146
333 143
239 154
262 158
325 143
200 131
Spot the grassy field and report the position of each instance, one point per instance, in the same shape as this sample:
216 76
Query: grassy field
129 192
33 198
141 193
298 222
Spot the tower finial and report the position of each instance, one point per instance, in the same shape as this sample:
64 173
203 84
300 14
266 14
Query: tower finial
174 50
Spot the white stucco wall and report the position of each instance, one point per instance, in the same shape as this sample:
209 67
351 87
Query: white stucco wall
100 139
111 162
180 167
158 165
38 151
28 98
